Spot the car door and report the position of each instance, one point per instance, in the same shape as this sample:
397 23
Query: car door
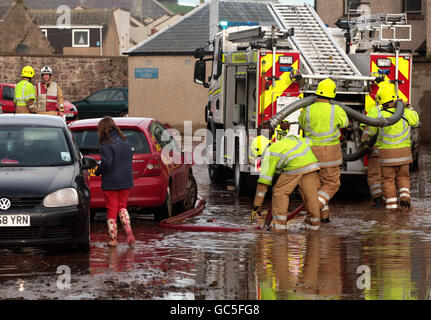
118 103
172 157
7 99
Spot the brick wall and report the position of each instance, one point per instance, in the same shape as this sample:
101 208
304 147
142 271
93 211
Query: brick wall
78 76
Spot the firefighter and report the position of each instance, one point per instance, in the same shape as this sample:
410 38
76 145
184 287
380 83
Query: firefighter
321 122
50 98
25 94
395 150
296 163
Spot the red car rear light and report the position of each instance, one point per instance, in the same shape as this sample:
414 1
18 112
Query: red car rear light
153 167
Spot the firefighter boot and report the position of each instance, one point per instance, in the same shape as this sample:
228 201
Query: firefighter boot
377 202
324 214
125 220
112 232
312 223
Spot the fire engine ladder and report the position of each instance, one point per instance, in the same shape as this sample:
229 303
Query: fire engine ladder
321 55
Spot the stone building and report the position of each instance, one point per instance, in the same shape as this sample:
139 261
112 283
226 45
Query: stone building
19 34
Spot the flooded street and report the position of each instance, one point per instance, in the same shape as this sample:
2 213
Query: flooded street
333 263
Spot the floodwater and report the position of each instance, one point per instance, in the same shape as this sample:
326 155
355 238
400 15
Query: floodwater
364 253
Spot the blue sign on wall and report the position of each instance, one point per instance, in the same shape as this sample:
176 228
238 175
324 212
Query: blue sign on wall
146 73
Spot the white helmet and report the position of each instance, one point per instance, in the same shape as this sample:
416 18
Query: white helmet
46 70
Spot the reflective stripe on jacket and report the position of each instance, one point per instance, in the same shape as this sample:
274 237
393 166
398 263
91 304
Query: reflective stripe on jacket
397 135
24 91
290 155
321 122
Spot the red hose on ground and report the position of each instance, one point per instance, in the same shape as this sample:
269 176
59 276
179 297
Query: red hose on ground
199 207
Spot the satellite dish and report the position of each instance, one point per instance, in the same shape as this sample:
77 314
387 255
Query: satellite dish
363 9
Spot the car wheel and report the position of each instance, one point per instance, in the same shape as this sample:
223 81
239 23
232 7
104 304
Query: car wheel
191 193
124 114
165 211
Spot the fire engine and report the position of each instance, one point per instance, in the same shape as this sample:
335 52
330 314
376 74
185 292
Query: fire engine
258 71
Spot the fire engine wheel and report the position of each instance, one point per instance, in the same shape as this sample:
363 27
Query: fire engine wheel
217 174
240 180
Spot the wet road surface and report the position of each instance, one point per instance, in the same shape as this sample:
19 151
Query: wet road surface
364 253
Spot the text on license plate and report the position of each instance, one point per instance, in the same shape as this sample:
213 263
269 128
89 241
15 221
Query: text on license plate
92 171
14 220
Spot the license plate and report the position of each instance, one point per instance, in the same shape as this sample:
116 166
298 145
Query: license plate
20 220
69 115
91 172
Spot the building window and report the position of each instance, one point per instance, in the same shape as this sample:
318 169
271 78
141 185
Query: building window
45 32
81 38
413 6
356 7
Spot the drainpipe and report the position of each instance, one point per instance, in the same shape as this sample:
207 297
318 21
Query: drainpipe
101 41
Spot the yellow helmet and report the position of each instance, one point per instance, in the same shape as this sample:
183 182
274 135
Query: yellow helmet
27 72
258 146
327 88
386 94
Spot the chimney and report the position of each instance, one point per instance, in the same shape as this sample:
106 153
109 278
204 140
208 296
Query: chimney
137 9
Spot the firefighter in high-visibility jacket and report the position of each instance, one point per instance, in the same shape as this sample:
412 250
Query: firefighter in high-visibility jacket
395 150
50 98
25 94
293 159
321 123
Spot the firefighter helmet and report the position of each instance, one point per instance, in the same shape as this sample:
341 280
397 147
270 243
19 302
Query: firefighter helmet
258 146
327 89
27 72
386 94
46 70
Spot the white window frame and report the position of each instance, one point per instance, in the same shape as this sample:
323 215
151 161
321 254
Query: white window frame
80 45
45 32
346 7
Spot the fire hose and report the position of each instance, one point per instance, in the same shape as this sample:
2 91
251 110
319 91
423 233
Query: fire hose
351 113
171 222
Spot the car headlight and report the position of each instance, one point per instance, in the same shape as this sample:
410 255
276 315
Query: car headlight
61 198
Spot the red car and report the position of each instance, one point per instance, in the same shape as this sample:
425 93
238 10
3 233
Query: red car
158 183
7 92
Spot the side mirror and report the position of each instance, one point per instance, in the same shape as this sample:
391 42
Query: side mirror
88 163
200 73
199 53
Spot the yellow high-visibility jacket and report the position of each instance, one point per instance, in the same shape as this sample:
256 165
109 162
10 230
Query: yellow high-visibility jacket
290 155
24 91
397 135
322 122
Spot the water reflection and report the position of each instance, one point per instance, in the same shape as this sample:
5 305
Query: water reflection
299 266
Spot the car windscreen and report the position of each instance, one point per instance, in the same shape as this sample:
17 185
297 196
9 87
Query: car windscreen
88 141
33 147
